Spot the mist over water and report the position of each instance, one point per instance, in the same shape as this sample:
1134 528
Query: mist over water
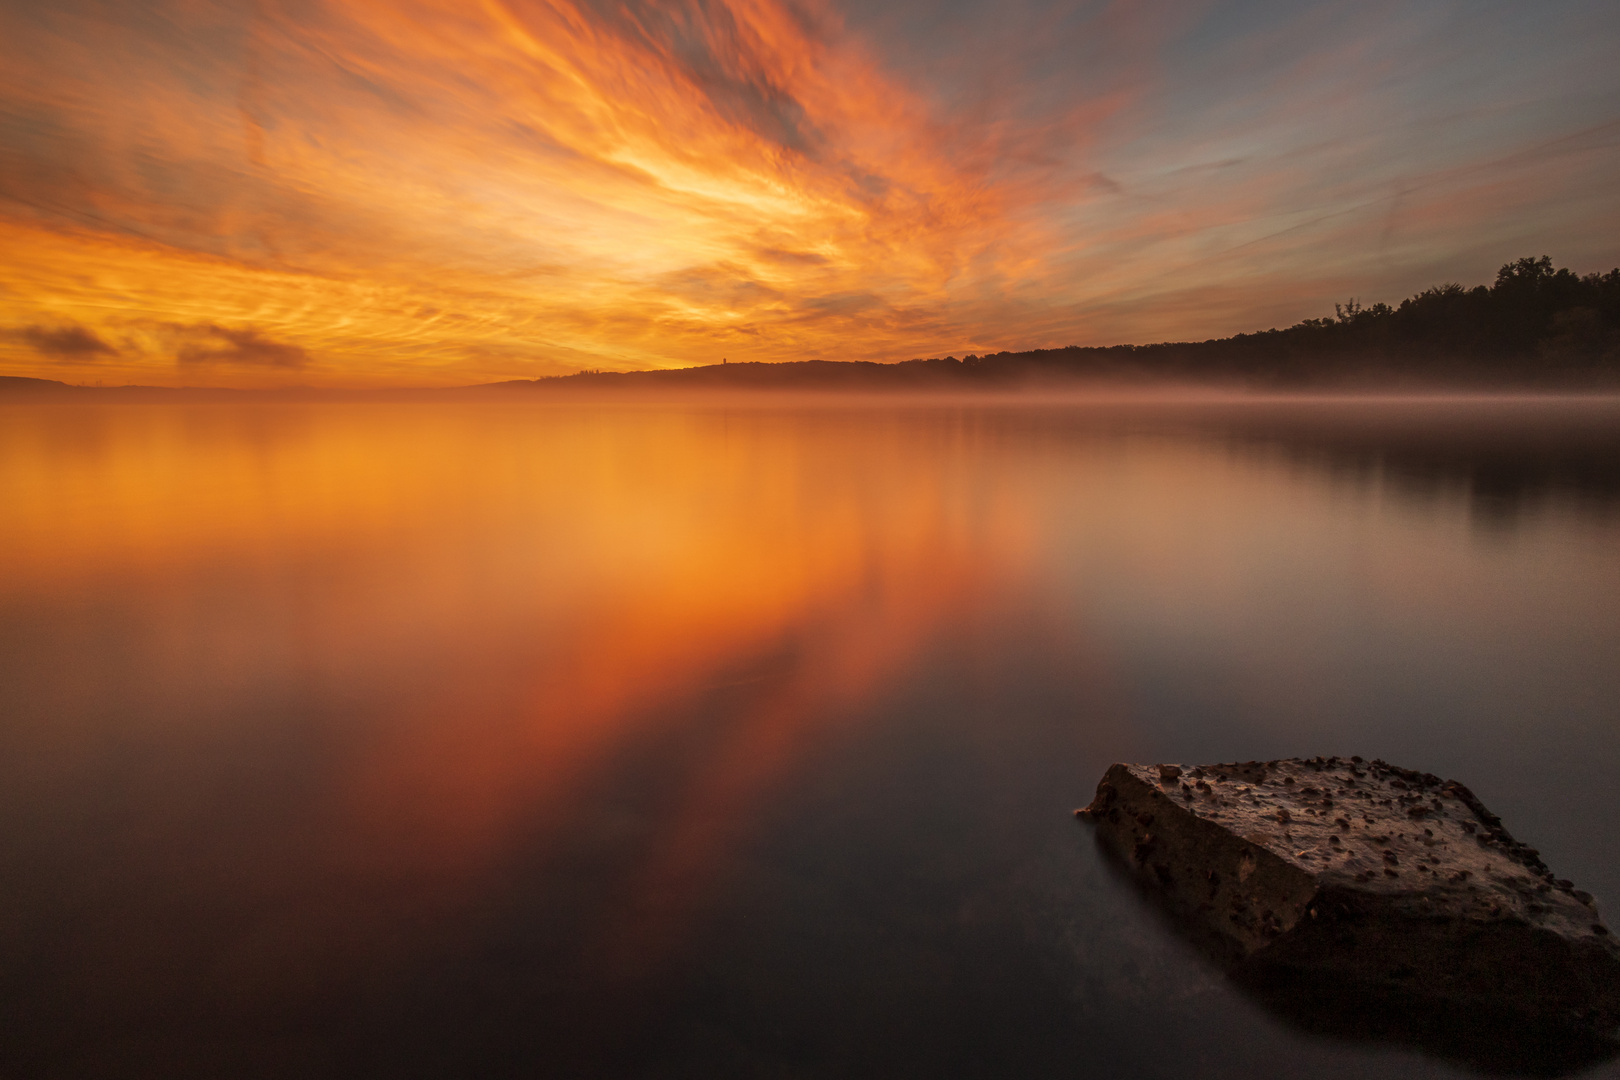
714 739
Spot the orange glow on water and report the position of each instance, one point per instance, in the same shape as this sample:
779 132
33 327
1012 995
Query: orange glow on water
576 580
413 650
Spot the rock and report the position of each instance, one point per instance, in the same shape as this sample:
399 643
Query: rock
1334 872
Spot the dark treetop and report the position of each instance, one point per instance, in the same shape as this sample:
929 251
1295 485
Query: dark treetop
1535 326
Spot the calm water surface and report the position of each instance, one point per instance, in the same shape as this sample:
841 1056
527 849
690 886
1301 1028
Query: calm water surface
714 740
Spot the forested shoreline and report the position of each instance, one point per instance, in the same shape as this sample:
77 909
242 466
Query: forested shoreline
1535 326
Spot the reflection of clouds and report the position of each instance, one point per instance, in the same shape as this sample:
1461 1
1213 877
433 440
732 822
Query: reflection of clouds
627 185
738 552
523 597
1506 458
423 697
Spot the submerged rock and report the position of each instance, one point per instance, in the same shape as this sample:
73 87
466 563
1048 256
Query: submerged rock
1391 884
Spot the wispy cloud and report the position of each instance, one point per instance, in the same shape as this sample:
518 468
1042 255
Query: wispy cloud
210 344
71 342
414 188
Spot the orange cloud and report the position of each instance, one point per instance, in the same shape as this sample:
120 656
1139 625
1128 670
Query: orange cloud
551 181
70 342
431 191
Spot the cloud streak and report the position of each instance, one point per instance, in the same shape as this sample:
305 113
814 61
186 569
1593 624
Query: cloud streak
63 342
210 344
438 191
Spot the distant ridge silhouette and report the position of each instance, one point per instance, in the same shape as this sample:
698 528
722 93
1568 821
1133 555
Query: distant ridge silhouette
1534 327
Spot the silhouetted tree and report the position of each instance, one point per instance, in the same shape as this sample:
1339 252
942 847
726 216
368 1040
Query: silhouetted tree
1534 323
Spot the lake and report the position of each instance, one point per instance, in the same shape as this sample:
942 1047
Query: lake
729 738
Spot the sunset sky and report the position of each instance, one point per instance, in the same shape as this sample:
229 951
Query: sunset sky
437 192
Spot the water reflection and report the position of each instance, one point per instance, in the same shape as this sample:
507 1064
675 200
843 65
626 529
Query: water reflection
1329 1003
445 740
1509 459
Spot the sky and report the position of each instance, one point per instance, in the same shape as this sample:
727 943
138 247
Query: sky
443 192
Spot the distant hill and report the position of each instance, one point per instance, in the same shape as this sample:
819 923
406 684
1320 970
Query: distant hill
1535 326
15 385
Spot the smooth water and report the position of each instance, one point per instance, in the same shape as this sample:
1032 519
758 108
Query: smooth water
711 740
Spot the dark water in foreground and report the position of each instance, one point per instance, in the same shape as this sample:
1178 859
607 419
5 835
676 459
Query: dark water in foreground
708 741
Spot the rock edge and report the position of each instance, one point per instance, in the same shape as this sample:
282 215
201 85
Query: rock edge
1383 878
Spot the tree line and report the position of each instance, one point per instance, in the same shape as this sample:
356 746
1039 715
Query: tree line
1534 325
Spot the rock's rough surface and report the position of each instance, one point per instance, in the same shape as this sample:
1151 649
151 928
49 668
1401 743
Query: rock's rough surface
1363 872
